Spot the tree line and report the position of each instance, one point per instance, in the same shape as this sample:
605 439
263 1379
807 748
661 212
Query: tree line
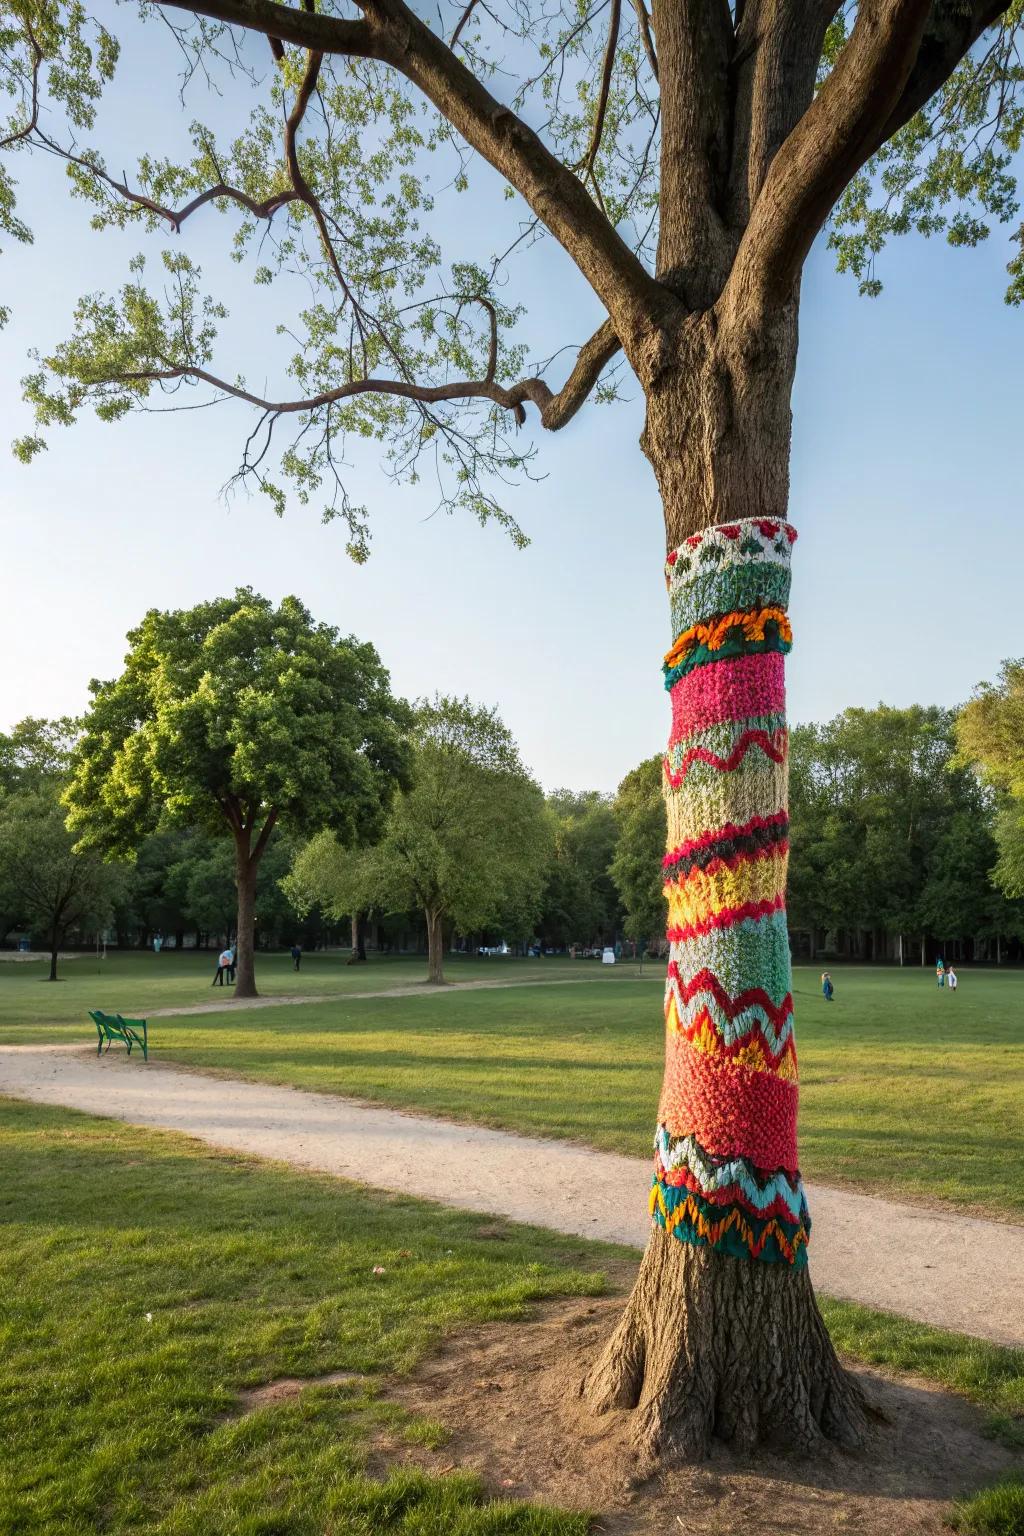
250 776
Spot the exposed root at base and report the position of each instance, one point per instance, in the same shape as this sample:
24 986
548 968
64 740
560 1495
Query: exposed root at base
712 1346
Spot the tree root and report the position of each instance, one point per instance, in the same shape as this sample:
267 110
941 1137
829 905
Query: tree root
713 1346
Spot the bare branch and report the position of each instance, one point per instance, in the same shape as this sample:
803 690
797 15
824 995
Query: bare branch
607 66
644 23
467 13
837 133
557 409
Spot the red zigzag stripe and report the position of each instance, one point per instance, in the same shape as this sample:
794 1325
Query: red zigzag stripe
773 746
707 981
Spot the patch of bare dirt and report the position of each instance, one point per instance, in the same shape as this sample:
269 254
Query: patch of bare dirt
508 1399
286 1387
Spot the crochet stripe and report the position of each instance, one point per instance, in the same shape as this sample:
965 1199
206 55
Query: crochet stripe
773 746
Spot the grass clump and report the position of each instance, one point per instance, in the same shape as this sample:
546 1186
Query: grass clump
995 1511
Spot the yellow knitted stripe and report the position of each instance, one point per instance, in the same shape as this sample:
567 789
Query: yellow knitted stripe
711 799
703 894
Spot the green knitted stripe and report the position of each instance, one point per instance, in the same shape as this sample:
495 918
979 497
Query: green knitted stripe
734 588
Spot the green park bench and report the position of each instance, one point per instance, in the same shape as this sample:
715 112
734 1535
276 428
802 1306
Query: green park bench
111 1026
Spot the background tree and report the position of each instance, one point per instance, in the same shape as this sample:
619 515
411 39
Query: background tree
339 881
690 156
237 716
636 866
580 901
990 736
45 881
465 842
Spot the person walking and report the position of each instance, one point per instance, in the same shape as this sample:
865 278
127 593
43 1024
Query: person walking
940 972
296 956
827 989
220 975
951 977
232 962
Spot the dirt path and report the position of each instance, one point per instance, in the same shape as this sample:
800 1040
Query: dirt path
954 1271
410 989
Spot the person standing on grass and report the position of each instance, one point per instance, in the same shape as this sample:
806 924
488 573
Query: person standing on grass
233 952
220 975
827 989
940 972
952 978
296 956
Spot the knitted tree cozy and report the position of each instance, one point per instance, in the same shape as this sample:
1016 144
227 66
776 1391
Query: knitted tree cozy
722 1334
726 1166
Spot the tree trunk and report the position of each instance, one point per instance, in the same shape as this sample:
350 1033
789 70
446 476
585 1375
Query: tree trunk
722 1335
54 948
246 868
358 939
435 946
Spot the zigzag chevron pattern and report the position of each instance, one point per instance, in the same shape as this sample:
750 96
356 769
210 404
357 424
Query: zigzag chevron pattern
719 1180
726 1171
688 1005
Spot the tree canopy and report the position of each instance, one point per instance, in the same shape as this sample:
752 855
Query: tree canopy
683 156
237 716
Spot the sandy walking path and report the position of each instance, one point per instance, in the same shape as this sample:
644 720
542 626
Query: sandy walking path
957 1272
409 989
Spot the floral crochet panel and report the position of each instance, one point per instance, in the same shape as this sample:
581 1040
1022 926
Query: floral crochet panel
725 1169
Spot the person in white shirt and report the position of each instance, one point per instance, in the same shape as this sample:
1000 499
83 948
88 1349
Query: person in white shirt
951 979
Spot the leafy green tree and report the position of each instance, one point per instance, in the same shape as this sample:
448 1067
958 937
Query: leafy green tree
687 157
50 884
636 866
990 736
237 716
580 901
466 841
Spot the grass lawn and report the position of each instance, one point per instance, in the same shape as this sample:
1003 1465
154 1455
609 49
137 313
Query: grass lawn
251 1273
905 1088
110 1422
134 982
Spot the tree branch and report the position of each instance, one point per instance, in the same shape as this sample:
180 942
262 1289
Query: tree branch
607 66
644 23
555 408
837 133
391 32
33 119
952 30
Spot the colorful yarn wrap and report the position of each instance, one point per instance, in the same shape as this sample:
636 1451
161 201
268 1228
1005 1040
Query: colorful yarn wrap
726 1171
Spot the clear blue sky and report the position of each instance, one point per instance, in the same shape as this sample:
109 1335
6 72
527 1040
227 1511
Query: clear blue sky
907 491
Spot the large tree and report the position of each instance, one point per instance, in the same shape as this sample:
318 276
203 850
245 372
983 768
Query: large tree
685 157
238 716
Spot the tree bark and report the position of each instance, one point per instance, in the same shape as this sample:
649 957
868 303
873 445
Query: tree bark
722 1336
435 946
358 939
246 869
54 949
